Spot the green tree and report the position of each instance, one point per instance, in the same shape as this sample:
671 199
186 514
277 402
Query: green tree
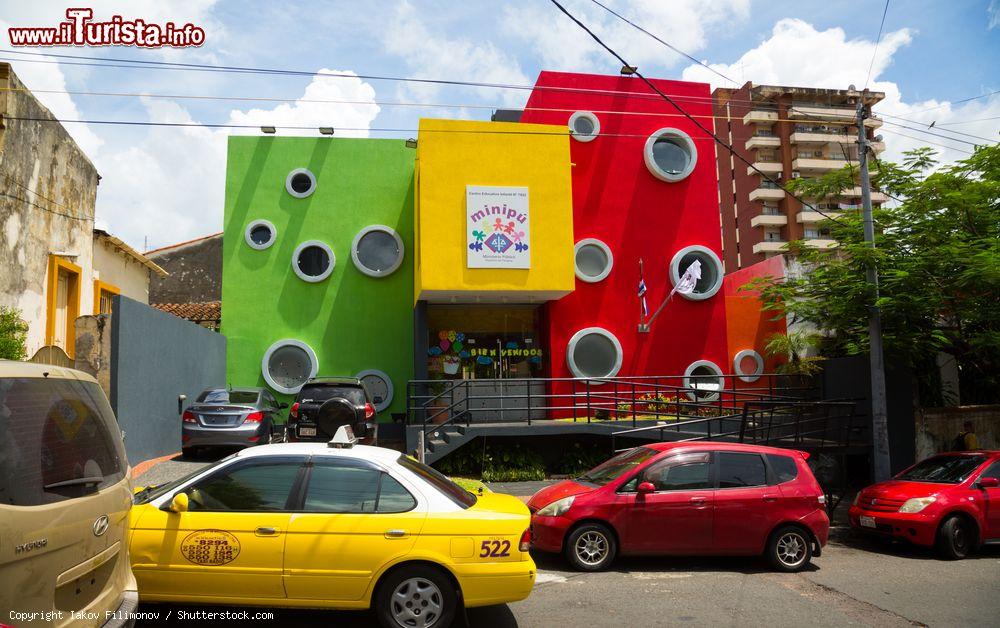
792 347
13 334
937 252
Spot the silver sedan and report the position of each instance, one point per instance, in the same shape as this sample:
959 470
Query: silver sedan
233 417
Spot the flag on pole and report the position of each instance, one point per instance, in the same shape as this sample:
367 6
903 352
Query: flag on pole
688 280
642 293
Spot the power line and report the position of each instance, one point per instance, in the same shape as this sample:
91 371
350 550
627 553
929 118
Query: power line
675 49
925 141
956 102
953 139
978 137
11 179
708 132
24 200
968 121
878 39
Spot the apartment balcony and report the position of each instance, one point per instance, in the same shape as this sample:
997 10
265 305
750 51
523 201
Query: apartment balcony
822 244
767 167
761 117
763 141
811 216
877 197
769 220
818 164
767 194
772 246
878 147
807 137
873 123
827 114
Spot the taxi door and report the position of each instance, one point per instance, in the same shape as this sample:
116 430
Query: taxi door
355 518
229 544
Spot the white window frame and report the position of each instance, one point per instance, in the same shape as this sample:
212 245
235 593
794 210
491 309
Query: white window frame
288 182
260 223
607 251
589 115
388 385
654 168
758 369
675 271
700 395
575 340
285 343
357 260
324 274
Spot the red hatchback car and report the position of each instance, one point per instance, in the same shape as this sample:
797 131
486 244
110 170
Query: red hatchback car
686 498
950 501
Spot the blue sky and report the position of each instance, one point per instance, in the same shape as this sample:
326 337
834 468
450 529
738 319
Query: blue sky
166 185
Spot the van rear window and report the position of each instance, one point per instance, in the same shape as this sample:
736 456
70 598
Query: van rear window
58 440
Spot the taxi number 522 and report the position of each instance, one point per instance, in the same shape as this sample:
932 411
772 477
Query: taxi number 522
494 549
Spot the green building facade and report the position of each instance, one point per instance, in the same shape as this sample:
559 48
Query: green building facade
317 263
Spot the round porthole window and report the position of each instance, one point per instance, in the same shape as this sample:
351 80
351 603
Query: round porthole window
670 154
710 269
593 260
748 365
594 352
288 364
260 234
584 126
704 379
379 387
377 251
300 183
313 261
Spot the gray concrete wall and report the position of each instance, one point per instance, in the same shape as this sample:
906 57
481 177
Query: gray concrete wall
938 427
48 187
156 357
195 272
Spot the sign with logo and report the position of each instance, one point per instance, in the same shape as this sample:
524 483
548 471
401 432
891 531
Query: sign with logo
498 231
210 547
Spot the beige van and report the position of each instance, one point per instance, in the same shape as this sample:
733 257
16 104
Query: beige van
64 502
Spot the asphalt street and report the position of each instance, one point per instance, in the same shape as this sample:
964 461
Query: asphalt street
857 581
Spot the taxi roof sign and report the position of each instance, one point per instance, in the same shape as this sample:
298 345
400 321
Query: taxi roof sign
344 438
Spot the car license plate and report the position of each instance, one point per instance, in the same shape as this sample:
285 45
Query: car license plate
867 522
307 431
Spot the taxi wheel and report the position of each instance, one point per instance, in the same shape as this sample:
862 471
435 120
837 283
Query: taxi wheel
790 549
416 597
955 539
591 547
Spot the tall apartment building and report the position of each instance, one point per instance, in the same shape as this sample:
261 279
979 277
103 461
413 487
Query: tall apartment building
787 133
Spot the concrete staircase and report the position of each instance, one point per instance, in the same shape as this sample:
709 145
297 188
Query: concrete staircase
443 441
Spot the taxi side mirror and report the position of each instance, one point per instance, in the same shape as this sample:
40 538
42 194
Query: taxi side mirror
179 503
989 482
645 488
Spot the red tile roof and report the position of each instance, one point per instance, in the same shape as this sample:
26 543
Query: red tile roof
199 311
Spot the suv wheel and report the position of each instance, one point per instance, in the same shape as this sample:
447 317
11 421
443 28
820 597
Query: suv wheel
591 547
955 538
416 597
790 549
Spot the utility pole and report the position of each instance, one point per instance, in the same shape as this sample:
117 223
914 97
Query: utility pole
880 421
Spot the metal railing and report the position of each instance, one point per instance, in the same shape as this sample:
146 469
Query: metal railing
694 400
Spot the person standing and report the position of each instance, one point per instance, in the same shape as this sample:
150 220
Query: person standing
966 439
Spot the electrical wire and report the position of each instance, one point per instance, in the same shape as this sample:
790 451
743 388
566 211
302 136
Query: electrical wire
675 49
924 141
11 179
878 40
978 137
953 139
51 211
717 139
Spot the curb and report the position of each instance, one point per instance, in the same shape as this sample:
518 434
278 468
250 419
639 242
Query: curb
146 465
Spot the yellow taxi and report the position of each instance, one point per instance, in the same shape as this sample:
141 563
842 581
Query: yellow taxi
338 526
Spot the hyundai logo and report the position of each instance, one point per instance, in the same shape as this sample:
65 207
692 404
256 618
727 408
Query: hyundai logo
101 525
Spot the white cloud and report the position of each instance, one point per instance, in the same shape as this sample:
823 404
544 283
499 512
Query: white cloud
562 45
431 55
170 185
993 13
798 54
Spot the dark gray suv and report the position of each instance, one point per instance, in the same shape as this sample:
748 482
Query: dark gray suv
325 403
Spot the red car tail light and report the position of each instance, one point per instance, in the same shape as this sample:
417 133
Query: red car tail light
525 543
188 417
369 411
294 410
254 417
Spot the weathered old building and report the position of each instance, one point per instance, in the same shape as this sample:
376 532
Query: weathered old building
195 271
48 188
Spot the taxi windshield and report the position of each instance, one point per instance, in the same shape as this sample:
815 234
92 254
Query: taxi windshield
943 469
617 466
149 493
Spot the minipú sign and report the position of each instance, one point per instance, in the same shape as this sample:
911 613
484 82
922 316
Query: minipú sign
498 230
